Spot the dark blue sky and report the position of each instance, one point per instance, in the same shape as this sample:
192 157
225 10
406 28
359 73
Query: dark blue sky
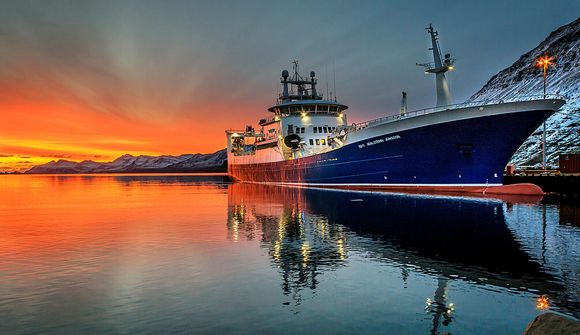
241 46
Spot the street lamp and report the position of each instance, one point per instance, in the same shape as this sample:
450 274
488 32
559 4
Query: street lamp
544 62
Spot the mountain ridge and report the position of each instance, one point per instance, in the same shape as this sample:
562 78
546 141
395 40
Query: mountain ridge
213 162
522 78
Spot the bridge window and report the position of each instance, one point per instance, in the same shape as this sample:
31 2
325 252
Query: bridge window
302 130
315 129
290 129
317 142
323 142
325 129
320 130
311 142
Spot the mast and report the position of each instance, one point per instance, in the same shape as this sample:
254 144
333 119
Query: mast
439 66
439 307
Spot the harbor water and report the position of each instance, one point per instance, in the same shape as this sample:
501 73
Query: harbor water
197 254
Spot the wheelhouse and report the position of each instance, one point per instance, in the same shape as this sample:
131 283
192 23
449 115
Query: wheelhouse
303 122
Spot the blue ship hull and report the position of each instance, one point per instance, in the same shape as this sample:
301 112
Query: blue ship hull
463 153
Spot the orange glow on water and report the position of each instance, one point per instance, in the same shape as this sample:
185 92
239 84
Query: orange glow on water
52 216
542 303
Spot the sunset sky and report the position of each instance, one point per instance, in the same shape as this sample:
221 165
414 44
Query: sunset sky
98 79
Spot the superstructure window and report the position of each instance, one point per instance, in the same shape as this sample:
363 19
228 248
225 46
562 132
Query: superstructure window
302 130
290 129
325 129
320 130
297 130
317 142
311 142
323 142
315 129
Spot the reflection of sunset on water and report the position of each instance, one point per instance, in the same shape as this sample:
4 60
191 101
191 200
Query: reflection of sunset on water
115 208
87 251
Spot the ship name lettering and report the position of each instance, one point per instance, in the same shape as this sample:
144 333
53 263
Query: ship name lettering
380 140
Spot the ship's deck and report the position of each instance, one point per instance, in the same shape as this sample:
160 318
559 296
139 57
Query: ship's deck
468 104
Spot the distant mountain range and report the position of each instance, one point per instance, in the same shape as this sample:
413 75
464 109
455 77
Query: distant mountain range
522 78
215 162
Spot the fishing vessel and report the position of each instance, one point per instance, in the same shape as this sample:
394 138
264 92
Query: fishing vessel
465 147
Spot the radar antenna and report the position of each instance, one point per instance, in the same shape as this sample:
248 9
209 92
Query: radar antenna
439 66
301 83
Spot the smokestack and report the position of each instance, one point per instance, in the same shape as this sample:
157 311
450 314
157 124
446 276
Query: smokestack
404 104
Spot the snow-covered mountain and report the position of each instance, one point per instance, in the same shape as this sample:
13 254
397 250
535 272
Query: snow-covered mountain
132 163
522 78
202 161
128 163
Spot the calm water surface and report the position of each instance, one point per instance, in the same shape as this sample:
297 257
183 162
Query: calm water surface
113 254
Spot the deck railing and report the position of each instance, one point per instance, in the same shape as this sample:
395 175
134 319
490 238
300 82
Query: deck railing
475 103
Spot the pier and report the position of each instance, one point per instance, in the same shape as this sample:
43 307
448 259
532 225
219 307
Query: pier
550 182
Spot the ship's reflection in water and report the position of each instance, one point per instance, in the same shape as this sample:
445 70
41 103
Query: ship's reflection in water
309 233
301 243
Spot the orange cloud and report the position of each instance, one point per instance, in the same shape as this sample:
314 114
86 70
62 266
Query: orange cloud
51 112
52 130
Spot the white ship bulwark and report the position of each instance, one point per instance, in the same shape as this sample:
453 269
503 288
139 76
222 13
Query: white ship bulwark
463 147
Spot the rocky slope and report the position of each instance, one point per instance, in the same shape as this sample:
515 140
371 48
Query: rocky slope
522 78
128 163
